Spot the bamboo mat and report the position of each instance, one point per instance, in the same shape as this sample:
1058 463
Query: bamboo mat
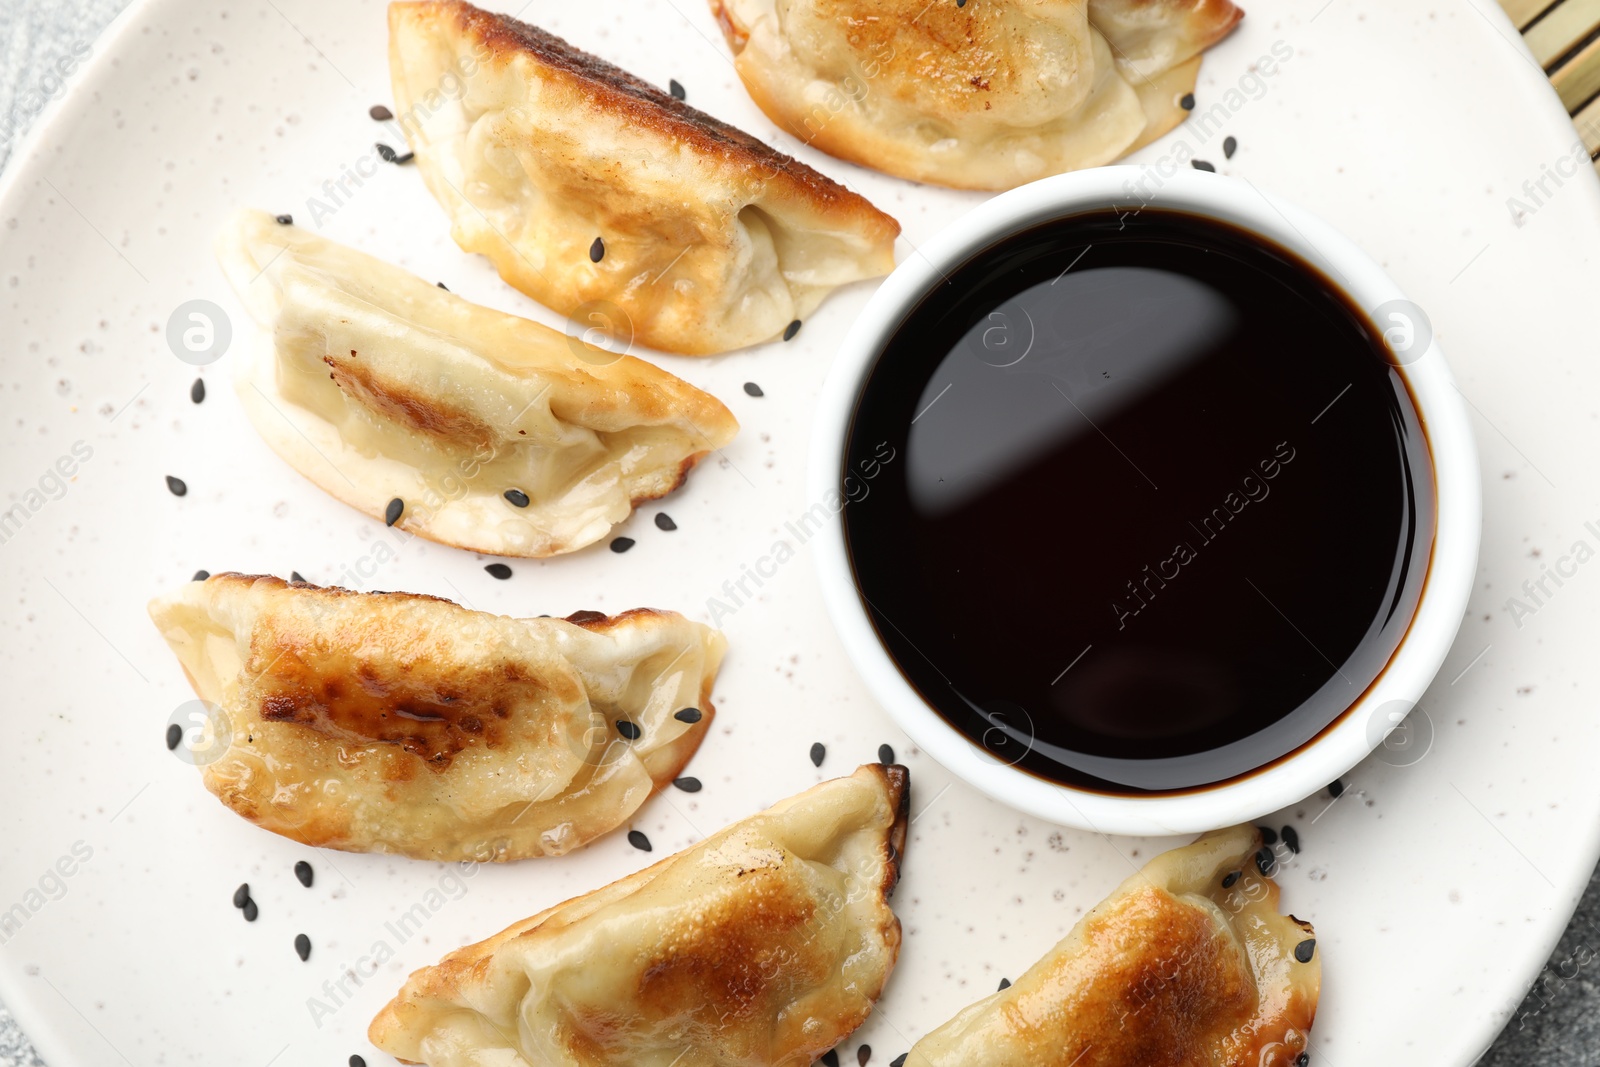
1564 37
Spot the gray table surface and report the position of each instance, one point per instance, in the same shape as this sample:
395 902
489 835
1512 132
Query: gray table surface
1558 1022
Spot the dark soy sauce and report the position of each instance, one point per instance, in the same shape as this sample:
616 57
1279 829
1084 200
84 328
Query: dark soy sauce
1162 508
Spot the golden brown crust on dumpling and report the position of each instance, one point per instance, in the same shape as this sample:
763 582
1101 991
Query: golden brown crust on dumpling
396 722
766 943
978 96
711 239
1187 963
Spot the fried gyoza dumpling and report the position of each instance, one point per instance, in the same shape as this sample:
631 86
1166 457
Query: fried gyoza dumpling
1188 962
392 722
497 434
608 200
984 95
762 946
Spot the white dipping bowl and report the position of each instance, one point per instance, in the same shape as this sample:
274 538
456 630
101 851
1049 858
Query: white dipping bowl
1361 728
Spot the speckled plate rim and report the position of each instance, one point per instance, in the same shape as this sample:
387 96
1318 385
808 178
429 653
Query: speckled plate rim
57 114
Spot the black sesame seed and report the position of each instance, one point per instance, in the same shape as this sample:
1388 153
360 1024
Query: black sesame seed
1305 950
1264 861
517 497
752 389
174 735
1200 164
1291 837
200 576
790 330
639 841
303 871
241 895
285 220
819 752
357 1061
380 113
1186 101
597 251
1005 983
443 286
498 570
831 1058
900 1060
302 946
1269 836
177 485
385 153
296 576
629 729
197 391
687 784
664 522
1302 1060
885 755
621 544
407 158
1336 789
1230 145
392 513
250 911
688 715
863 1054
961 3
675 89
1230 878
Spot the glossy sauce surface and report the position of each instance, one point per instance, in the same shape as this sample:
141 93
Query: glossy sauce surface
1160 507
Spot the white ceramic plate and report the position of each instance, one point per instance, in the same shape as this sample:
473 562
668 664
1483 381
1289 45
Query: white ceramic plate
1438 887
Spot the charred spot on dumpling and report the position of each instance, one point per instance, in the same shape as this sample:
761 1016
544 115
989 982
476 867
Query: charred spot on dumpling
419 411
581 618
